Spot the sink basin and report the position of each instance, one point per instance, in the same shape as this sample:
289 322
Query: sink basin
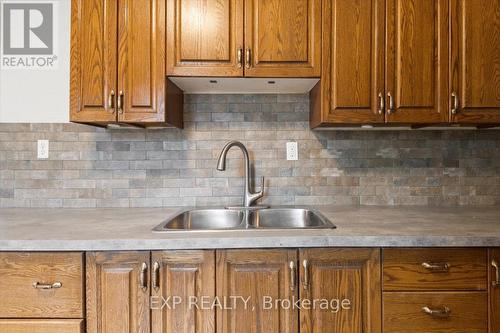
289 218
216 219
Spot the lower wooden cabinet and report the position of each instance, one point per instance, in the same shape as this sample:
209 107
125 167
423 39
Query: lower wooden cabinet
494 283
118 292
42 326
351 276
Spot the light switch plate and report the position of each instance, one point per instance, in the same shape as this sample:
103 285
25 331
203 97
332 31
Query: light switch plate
292 151
43 149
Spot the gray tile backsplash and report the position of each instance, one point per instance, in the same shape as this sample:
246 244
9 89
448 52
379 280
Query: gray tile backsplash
93 167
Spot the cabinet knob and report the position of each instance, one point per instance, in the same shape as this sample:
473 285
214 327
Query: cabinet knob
55 285
305 264
111 101
143 277
293 273
496 283
156 276
391 103
239 57
120 102
455 101
248 58
381 103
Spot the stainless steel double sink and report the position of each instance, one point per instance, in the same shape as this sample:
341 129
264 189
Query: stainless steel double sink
216 219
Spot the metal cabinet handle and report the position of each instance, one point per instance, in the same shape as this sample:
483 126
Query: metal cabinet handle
120 102
496 283
55 285
143 277
156 276
111 101
248 58
293 273
239 57
391 103
305 264
455 101
381 103
436 267
443 312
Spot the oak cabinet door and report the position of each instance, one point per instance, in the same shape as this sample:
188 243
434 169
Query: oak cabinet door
475 64
283 38
257 276
184 278
351 275
352 81
93 60
118 292
495 290
205 38
141 61
417 61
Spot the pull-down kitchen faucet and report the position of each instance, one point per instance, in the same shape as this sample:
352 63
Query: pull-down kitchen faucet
249 197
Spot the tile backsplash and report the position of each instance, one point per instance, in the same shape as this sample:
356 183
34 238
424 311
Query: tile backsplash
94 167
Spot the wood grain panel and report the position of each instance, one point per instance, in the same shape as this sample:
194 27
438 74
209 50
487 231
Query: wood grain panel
417 60
20 270
475 67
284 37
403 269
116 303
141 65
351 274
256 274
187 275
203 37
93 60
42 326
353 63
403 312
494 307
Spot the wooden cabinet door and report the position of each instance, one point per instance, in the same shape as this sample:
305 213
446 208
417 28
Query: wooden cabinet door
118 292
141 64
494 283
205 38
283 38
341 274
93 60
256 275
42 326
417 61
352 79
187 276
475 64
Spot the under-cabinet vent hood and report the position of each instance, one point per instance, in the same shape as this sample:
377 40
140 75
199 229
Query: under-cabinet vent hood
225 85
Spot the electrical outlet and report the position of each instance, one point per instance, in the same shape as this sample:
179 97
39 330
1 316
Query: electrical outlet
43 149
292 151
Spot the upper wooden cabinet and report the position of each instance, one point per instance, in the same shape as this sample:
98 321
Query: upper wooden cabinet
475 64
118 64
349 275
417 52
388 61
282 38
256 38
205 38
352 77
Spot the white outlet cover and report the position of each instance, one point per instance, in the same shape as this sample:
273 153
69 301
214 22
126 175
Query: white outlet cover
292 151
43 149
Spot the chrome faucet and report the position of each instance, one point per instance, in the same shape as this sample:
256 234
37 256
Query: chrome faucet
249 197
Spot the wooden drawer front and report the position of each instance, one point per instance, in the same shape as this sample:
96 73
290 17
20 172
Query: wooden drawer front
404 269
42 326
19 297
403 312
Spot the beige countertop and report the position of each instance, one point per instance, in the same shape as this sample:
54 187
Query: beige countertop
130 229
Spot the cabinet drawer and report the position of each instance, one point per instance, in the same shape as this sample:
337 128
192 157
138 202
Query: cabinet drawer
41 326
435 269
41 285
468 312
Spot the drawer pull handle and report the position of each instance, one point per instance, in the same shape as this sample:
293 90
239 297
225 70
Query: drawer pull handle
156 276
55 285
293 272
444 312
436 267
305 264
143 277
496 283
